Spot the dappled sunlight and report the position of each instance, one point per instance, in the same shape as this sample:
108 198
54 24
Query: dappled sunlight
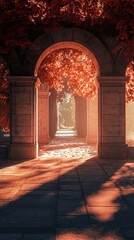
67 147
102 204
86 196
109 236
11 178
104 198
124 173
88 234
107 201
51 165
73 235
103 214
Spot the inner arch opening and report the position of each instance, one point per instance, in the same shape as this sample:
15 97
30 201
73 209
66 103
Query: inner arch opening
70 69
66 120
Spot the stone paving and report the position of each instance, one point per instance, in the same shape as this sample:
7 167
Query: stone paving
67 194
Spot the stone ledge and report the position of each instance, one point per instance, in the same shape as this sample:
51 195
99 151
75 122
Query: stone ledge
112 79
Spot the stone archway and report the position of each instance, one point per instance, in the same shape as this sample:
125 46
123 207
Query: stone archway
75 36
92 104
111 99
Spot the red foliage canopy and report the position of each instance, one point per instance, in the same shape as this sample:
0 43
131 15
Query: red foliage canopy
69 70
130 83
4 97
21 21
119 14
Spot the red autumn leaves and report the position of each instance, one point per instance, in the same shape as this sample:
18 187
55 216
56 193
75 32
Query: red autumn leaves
71 71
4 97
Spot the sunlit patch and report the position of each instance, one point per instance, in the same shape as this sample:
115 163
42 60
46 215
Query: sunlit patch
88 234
111 236
104 197
71 236
65 147
108 185
103 214
101 234
101 203
123 173
130 105
57 159
105 202
130 123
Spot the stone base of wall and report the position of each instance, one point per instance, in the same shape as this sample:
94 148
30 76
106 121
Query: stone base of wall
130 152
23 151
92 139
43 139
112 151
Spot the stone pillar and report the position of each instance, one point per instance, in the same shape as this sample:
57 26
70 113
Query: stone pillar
24 125
112 131
43 107
92 120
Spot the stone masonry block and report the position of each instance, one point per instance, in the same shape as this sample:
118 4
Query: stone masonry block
23 120
22 139
22 89
122 98
122 109
106 69
111 120
67 34
113 151
111 109
24 131
43 43
113 139
111 98
111 131
56 36
119 90
22 98
122 120
78 36
23 151
23 109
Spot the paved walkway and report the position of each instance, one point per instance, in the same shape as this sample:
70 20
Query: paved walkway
67 194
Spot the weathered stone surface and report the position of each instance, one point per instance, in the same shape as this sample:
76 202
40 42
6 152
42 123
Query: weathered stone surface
23 118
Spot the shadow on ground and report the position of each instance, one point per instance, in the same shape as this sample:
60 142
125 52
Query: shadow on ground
66 198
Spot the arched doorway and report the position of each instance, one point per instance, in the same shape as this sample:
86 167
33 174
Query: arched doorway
79 109
85 110
111 97
66 119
